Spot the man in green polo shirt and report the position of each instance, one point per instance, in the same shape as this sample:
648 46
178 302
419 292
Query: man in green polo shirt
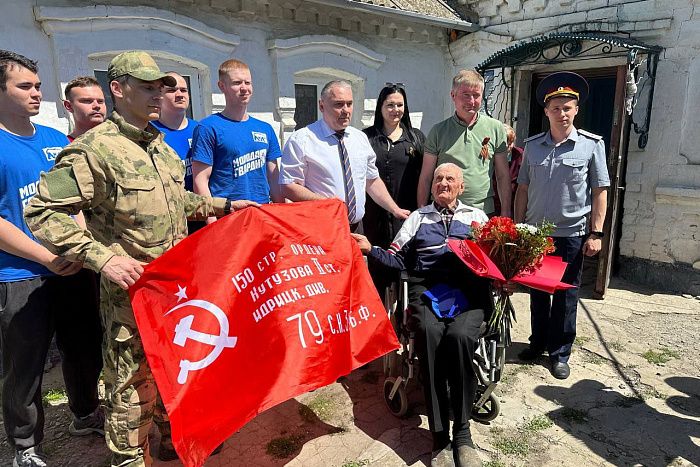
473 141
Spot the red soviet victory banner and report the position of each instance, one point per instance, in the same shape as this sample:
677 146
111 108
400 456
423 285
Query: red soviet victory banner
263 305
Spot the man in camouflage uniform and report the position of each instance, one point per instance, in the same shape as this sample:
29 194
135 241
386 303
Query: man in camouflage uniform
133 183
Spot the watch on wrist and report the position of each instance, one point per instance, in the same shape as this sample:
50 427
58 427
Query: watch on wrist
596 233
227 207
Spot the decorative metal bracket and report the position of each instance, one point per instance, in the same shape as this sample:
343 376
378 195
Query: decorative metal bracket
498 69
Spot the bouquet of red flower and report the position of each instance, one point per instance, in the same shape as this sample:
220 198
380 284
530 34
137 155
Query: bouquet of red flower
514 248
517 250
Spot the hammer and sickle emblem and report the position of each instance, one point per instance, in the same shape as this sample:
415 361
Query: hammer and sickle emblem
184 331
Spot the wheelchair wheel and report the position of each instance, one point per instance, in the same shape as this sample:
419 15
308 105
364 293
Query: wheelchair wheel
398 406
488 412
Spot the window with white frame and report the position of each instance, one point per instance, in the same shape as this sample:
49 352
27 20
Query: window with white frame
307 92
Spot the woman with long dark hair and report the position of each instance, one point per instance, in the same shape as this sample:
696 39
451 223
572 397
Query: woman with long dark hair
399 149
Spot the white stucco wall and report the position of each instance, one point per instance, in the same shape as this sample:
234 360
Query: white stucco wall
662 199
20 34
73 38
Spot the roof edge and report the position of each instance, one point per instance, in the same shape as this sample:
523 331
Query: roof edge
459 25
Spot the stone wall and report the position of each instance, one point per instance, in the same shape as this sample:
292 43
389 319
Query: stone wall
524 18
661 221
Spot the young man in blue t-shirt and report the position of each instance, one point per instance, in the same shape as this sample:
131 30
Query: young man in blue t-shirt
40 292
234 155
176 127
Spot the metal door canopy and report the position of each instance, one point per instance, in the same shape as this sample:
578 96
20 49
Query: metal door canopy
499 69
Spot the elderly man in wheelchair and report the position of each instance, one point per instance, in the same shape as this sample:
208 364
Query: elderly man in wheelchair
447 305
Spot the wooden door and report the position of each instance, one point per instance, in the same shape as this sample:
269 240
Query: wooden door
619 138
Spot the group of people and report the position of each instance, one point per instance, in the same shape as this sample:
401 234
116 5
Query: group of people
80 220
562 179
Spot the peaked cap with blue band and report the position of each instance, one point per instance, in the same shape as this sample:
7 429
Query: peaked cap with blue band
562 84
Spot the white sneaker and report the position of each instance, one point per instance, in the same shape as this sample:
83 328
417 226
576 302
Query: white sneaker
30 457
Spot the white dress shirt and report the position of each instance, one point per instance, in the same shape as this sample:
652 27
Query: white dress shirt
311 158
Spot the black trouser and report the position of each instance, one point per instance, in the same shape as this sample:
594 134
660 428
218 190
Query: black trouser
30 312
445 349
553 320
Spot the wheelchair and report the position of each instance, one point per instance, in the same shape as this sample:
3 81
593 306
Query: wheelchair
400 366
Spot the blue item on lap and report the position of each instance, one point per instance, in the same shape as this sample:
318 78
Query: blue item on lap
446 301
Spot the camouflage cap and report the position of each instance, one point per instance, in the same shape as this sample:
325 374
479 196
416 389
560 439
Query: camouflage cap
140 65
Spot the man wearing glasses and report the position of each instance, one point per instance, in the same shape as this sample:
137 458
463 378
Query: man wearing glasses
330 159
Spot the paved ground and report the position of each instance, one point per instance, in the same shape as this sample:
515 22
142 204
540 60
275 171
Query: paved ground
633 399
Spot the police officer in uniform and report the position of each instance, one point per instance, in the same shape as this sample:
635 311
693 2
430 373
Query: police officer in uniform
563 180
134 184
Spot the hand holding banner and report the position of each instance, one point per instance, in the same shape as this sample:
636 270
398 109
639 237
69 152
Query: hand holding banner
259 307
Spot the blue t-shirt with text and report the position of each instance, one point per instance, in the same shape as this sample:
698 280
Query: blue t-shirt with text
238 153
22 160
181 142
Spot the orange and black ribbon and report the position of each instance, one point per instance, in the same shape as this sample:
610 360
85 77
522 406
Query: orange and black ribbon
485 149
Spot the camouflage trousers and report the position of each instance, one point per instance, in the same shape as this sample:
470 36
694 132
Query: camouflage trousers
132 402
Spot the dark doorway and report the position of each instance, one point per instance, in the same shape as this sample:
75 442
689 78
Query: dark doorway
594 115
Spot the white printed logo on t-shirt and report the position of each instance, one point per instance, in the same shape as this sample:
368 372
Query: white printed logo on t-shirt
51 153
259 137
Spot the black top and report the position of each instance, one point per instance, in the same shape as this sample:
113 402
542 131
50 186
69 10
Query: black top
399 163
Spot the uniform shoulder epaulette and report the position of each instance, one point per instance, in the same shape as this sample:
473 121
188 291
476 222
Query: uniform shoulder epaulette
590 135
534 137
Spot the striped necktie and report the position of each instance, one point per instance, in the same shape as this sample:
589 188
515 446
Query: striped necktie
350 199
